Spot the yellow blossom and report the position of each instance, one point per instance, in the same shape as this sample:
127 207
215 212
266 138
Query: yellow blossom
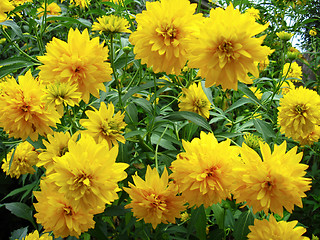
61 94
299 113
155 200
103 125
52 9
287 86
5 6
162 36
265 230
56 146
80 61
22 112
276 182
35 236
195 100
285 36
57 214
88 175
252 140
226 50
111 24
313 32
292 70
24 157
253 12
204 172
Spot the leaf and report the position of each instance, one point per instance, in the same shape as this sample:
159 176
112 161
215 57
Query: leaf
198 220
80 21
239 103
264 128
218 212
244 88
13 26
20 210
28 187
19 233
145 104
191 116
241 228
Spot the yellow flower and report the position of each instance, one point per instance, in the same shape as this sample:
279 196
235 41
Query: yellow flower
285 36
276 182
79 61
184 216
299 112
311 138
19 2
313 32
60 94
195 100
81 3
253 13
262 65
5 6
56 146
287 86
257 92
35 236
162 36
252 140
204 172
295 71
57 214
154 200
52 9
265 230
88 175
104 125
22 112
24 157
226 49
111 24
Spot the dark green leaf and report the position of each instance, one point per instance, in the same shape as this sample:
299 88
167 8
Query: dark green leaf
264 128
13 26
218 212
191 116
19 233
21 210
198 221
241 228
145 104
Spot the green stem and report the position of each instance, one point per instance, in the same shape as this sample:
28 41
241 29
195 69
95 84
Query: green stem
18 48
156 151
114 71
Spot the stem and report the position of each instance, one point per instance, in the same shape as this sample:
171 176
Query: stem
118 83
18 48
156 151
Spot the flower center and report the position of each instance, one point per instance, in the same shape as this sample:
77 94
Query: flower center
156 202
227 49
63 151
25 107
82 180
200 103
300 109
169 34
268 184
68 210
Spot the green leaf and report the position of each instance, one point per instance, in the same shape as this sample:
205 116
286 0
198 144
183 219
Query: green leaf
27 188
239 103
21 210
145 104
219 213
6 70
198 220
80 21
191 116
244 88
241 228
264 128
19 234
15 28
